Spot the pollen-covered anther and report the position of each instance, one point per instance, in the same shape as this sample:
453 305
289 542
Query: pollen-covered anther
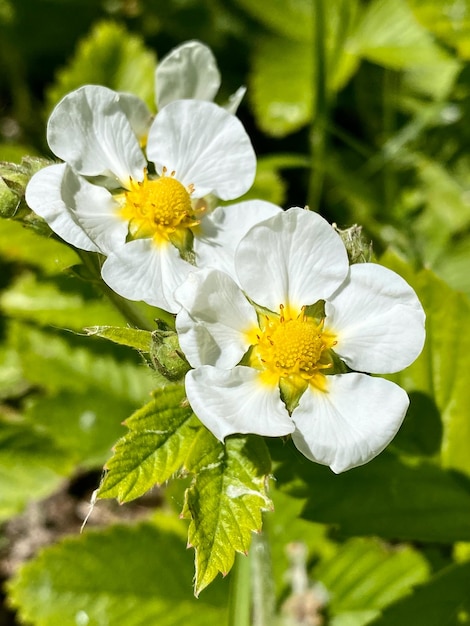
292 347
158 208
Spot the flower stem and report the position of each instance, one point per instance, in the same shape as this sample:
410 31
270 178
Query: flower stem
264 599
240 592
128 310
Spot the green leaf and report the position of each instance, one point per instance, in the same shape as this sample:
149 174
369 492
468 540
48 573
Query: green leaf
20 245
438 372
32 466
387 497
281 85
132 337
225 500
443 600
447 19
365 575
49 360
290 18
129 575
59 301
160 435
284 74
112 57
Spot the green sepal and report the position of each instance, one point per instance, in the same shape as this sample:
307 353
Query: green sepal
167 355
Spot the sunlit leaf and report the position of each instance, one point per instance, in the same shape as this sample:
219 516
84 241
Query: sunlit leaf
447 19
365 575
134 575
160 435
112 57
290 18
443 600
58 302
225 500
438 372
32 466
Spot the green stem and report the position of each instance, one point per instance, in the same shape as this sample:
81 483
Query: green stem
264 598
318 134
240 592
128 310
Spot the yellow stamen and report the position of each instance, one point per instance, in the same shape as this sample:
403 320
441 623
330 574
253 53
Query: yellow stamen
160 208
293 348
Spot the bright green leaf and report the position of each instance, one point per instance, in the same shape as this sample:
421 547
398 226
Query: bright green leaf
20 245
125 575
49 360
448 19
289 18
32 466
366 575
445 599
439 371
132 337
57 302
160 435
225 500
112 57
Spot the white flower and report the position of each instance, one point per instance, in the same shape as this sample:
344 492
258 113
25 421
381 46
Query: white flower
190 71
273 357
105 198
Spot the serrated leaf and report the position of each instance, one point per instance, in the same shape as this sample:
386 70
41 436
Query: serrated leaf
49 360
126 575
225 500
132 337
365 575
387 497
438 372
112 57
445 599
59 301
160 435
32 466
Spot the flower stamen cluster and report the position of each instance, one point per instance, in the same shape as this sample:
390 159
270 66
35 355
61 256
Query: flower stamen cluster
158 208
293 347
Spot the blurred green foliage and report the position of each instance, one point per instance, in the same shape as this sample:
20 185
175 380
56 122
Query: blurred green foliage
358 109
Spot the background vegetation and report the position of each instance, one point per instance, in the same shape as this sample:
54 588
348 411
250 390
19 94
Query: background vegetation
358 108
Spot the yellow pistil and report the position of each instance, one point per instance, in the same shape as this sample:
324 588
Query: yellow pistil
292 349
161 209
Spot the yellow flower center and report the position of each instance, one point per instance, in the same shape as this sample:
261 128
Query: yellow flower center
160 209
294 349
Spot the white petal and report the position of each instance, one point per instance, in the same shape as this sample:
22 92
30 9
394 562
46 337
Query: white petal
220 232
45 196
138 114
188 71
350 423
295 258
140 270
378 320
205 146
235 100
96 210
89 130
235 401
215 317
